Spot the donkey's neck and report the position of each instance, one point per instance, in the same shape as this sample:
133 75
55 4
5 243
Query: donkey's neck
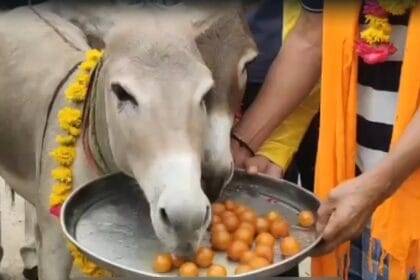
97 145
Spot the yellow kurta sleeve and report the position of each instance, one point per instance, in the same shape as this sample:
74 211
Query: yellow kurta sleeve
282 145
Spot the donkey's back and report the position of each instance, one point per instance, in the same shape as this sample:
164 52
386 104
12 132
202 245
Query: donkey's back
34 59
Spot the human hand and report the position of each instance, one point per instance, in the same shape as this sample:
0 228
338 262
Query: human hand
239 153
261 164
347 210
244 158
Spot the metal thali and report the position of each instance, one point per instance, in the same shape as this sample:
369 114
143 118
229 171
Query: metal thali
108 220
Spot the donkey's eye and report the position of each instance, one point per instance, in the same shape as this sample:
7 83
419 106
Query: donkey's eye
203 103
122 95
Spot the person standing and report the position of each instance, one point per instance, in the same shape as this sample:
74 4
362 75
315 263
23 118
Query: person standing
272 22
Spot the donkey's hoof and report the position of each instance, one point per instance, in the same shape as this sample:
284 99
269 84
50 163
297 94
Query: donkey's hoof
31 274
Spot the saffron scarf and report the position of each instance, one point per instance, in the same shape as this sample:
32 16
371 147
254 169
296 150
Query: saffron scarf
396 223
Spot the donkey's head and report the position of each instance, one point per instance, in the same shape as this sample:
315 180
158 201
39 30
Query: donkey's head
226 46
171 78
155 84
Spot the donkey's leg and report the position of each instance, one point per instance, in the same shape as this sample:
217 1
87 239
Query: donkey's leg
1 248
30 261
54 260
28 252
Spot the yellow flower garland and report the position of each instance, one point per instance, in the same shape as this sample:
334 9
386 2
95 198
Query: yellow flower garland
379 30
397 7
375 44
70 121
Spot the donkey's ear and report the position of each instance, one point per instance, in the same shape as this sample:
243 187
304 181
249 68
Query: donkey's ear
94 30
226 46
203 14
85 17
200 26
95 41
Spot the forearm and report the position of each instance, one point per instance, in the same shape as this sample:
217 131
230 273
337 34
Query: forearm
403 159
291 78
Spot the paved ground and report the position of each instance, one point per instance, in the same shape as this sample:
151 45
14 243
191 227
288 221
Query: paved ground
12 236
12 233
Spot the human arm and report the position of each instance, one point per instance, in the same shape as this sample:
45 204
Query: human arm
275 155
349 206
291 78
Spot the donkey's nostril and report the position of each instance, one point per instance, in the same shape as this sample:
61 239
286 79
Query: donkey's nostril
164 216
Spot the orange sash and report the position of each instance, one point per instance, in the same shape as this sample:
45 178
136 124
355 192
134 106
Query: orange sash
396 223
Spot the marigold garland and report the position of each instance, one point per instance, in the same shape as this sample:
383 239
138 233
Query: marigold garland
64 155
397 7
65 140
70 121
86 266
375 44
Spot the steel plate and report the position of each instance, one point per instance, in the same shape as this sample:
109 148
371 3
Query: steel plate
108 219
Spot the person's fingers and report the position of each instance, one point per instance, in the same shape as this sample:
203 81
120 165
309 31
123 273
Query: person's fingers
321 249
274 171
239 158
340 230
255 164
323 215
252 170
337 231
330 243
240 154
335 225
325 247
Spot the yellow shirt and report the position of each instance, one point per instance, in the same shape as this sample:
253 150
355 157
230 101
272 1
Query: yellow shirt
282 145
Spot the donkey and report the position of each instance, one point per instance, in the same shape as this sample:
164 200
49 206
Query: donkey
151 97
226 46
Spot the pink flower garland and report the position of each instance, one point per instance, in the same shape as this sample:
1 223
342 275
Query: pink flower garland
373 8
374 53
